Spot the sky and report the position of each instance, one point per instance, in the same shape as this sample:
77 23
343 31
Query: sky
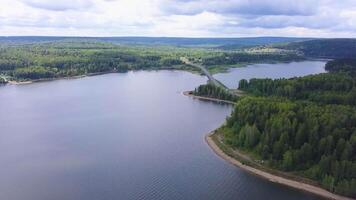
179 18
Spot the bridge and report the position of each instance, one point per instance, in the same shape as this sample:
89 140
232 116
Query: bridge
212 80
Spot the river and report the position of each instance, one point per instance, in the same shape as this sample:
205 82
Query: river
125 136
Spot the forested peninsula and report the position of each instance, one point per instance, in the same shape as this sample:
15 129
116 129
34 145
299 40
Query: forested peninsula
303 127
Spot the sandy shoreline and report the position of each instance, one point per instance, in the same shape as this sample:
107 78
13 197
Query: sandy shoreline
271 177
188 93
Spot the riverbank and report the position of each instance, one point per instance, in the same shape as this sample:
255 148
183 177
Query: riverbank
189 94
12 82
58 78
242 161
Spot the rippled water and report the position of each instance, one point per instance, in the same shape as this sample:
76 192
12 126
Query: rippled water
118 136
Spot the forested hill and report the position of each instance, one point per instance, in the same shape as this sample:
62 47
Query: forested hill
305 125
171 41
324 48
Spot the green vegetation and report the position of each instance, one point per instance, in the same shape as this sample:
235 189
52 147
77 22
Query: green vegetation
35 58
315 141
347 65
232 58
66 58
324 48
306 125
223 43
31 58
2 80
330 88
212 91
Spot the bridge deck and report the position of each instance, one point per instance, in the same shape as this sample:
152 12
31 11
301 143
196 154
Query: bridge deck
206 72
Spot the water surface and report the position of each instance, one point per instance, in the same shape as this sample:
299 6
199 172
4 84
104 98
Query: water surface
118 136
279 70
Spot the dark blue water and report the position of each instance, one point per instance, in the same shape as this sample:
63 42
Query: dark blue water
118 136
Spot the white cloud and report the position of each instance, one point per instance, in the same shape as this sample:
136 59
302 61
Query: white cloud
204 18
61 5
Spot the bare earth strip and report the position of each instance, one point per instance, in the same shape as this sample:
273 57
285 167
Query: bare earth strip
271 177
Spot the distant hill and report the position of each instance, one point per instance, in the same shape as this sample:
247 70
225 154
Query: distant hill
324 48
223 43
259 41
214 42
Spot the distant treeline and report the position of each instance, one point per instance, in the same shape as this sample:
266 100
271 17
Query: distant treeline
289 51
212 91
324 48
304 125
150 41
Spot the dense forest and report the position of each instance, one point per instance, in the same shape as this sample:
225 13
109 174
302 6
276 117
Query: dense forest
347 65
316 141
304 125
68 58
212 91
330 88
324 48
229 58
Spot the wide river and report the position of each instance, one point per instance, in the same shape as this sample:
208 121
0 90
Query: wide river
125 136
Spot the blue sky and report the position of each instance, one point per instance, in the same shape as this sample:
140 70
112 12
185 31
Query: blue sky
181 18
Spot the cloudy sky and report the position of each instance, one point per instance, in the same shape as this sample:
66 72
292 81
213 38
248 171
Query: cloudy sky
187 18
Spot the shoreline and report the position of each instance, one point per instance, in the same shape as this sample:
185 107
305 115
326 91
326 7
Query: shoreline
58 78
269 176
225 70
83 76
188 93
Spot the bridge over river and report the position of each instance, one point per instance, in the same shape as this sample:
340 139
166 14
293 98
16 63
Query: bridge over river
212 80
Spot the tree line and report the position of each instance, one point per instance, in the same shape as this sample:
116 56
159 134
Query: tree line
212 91
329 88
347 65
229 58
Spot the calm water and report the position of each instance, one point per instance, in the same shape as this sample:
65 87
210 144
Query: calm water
119 136
281 70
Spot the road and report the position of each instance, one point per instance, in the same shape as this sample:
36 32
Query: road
205 71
